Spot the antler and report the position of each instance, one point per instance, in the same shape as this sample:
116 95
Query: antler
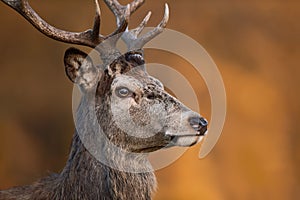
90 38
131 37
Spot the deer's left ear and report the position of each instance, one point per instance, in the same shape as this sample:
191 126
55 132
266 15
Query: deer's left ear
80 69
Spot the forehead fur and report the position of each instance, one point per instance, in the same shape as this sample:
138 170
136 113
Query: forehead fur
127 71
126 81
133 82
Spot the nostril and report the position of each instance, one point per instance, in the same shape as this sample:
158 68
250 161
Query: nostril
203 122
194 122
197 122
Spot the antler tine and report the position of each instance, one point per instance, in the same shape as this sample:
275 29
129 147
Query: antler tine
142 25
119 9
123 24
140 42
131 37
115 7
97 22
135 5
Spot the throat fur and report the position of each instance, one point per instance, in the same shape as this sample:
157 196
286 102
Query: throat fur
84 177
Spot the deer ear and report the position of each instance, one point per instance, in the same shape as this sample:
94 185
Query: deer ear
80 69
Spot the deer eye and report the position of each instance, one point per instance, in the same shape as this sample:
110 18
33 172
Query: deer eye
122 92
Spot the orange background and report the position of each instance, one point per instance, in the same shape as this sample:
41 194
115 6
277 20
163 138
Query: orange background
256 47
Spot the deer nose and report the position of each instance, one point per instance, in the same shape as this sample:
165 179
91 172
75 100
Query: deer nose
199 124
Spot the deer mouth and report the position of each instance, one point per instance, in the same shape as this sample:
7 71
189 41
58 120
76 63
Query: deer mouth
150 149
165 142
187 139
202 131
151 144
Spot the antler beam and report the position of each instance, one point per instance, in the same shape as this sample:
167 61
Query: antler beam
90 38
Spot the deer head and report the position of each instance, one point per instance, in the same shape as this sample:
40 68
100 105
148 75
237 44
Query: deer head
132 108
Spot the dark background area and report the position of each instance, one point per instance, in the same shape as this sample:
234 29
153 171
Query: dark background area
256 47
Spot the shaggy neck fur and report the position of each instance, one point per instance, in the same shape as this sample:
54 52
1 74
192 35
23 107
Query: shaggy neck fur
84 177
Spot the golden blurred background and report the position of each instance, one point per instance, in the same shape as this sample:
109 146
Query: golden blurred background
256 47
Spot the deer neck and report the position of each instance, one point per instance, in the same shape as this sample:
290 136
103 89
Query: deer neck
84 177
95 171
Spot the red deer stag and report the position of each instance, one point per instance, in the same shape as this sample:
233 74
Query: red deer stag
124 114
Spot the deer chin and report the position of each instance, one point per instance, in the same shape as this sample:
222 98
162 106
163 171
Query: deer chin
147 145
186 139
